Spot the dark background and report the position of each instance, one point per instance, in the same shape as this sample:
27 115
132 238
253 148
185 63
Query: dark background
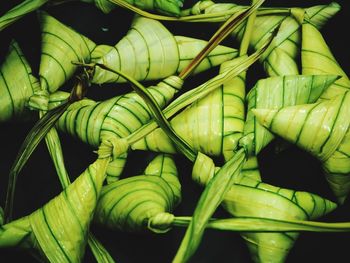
38 182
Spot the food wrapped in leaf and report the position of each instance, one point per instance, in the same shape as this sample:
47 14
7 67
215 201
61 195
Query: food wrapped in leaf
117 117
172 7
168 7
130 204
220 181
222 86
120 116
149 52
249 197
219 184
210 199
321 129
214 124
276 93
281 57
317 58
17 84
256 199
59 229
19 11
60 46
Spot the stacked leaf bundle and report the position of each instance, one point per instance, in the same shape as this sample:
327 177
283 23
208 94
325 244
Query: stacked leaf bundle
219 126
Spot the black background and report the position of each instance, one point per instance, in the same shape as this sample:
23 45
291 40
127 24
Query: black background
38 182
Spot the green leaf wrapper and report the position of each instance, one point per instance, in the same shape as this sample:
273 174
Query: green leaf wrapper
172 7
280 58
249 197
19 11
114 118
149 52
276 93
214 124
132 203
210 199
253 198
17 84
59 229
60 46
318 59
204 123
321 129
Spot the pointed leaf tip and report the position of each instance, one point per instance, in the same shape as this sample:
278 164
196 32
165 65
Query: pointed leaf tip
265 116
